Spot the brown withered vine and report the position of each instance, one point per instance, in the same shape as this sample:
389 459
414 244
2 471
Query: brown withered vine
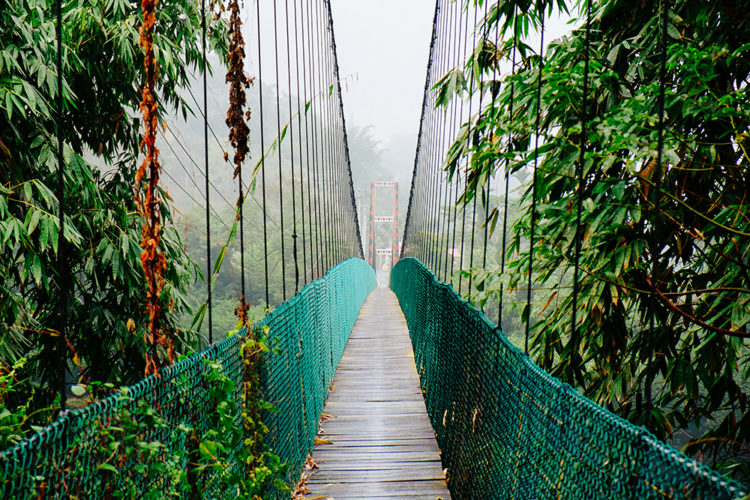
239 132
152 259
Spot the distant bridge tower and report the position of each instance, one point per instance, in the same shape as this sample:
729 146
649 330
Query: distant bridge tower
393 251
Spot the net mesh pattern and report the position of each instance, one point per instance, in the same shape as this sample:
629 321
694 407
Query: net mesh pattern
71 458
507 428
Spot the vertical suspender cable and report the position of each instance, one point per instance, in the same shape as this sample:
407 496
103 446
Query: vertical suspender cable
241 203
290 127
466 173
579 178
489 175
310 213
263 154
334 221
533 182
445 61
446 125
278 150
450 127
299 142
435 181
322 135
239 132
328 161
431 206
458 176
208 183
430 155
438 124
656 196
324 216
433 124
474 207
61 243
314 94
418 156
347 158
656 190
507 166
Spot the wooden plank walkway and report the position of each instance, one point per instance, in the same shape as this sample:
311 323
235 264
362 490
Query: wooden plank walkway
378 441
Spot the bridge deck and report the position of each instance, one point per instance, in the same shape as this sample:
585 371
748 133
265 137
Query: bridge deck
378 441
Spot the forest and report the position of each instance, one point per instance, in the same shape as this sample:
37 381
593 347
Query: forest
651 258
663 304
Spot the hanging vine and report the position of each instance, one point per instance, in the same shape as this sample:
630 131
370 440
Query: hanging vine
239 132
153 261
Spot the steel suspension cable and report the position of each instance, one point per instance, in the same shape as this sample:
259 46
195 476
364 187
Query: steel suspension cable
290 128
310 233
489 175
325 212
299 142
325 146
331 219
449 128
656 196
457 176
315 94
336 165
263 155
507 167
209 303
580 180
418 156
329 162
534 180
656 190
445 125
435 175
468 139
278 150
62 313
466 167
442 117
342 118
437 143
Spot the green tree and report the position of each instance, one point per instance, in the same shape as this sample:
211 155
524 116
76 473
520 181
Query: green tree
102 74
672 355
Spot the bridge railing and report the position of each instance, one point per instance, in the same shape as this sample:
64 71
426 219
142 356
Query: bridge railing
83 454
506 428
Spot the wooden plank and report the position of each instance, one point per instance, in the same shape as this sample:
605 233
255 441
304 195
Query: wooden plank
377 441
400 489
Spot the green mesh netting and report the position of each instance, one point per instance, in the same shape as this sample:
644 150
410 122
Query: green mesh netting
75 458
508 429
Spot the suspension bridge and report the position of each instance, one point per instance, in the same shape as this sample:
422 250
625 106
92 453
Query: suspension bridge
393 385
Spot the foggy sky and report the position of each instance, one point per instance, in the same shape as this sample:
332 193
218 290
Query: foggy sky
383 47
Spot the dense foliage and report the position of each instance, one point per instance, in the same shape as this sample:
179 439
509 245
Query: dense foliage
672 355
102 74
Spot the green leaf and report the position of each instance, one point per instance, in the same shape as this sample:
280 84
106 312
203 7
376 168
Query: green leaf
283 132
33 221
220 259
673 32
78 390
109 468
8 104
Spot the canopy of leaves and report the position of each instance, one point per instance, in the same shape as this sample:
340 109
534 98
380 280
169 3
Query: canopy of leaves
102 74
672 355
